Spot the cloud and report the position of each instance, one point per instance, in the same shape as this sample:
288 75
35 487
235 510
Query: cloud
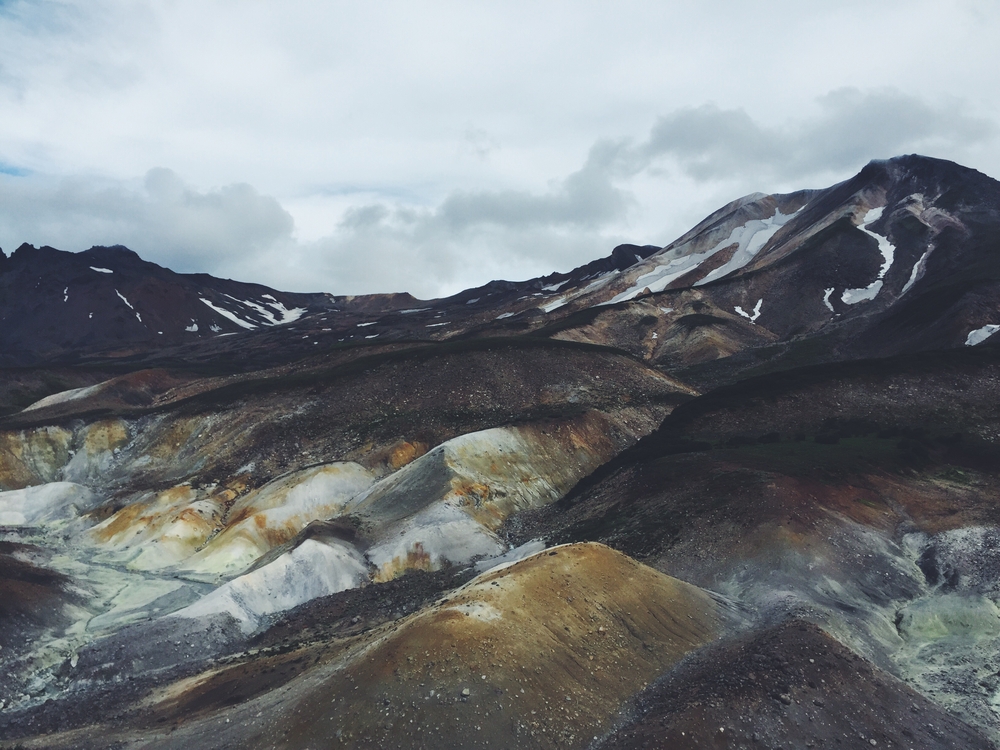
474 236
852 127
162 219
586 198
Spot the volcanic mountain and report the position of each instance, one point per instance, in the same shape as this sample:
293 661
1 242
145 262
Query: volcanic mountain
742 490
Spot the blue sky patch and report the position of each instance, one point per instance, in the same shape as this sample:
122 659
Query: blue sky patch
10 168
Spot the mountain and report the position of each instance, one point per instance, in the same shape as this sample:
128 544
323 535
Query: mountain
58 305
738 491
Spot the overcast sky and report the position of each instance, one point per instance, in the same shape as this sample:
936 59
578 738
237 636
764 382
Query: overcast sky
357 147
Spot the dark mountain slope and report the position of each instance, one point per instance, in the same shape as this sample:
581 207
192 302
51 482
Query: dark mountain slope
788 686
58 305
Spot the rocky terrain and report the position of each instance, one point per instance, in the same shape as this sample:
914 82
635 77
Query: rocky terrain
739 491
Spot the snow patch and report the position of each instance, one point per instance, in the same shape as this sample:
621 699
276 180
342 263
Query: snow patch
980 335
101 270
751 237
888 250
918 271
472 301
66 294
751 317
414 310
556 287
228 316
73 394
122 298
284 314
504 315
362 325
193 328
826 299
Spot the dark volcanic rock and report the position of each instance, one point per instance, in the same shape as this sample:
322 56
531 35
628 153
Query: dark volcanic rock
108 298
789 686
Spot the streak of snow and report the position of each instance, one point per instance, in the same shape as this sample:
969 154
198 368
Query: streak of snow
414 310
362 325
101 270
980 335
752 236
555 287
826 298
504 315
918 271
749 238
286 315
554 305
73 394
599 281
137 315
66 294
666 310
228 315
751 317
435 325
373 336
472 301
868 293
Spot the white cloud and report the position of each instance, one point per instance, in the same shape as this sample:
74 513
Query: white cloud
162 219
852 127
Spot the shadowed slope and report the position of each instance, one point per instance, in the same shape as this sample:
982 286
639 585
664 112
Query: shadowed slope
789 686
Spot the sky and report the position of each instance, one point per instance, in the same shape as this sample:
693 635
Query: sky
429 147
